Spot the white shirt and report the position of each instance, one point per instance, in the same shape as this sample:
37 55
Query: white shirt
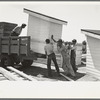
49 49
17 30
74 47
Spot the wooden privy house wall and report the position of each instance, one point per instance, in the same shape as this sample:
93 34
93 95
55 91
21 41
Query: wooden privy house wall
41 27
93 52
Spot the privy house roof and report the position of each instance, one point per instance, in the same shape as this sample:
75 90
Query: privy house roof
92 33
45 17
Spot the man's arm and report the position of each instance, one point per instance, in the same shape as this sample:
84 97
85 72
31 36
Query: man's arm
45 51
53 39
13 30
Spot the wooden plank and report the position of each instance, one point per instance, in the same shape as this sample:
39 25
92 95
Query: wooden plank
5 41
1 75
83 62
66 77
23 49
21 73
14 49
5 49
8 75
14 41
13 45
3 78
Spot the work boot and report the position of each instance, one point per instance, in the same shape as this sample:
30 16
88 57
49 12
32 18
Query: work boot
58 74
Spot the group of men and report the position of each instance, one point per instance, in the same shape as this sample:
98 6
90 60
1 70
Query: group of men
49 51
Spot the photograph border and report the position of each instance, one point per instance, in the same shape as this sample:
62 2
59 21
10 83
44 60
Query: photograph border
49 98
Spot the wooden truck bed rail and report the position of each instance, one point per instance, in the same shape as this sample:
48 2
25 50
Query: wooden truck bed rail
15 45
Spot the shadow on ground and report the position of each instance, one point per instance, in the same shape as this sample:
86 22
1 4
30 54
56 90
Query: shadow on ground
36 71
78 76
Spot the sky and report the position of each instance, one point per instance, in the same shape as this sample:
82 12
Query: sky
79 15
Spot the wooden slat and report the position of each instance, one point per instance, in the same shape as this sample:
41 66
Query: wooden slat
15 45
83 62
23 49
5 49
89 60
1 75
2 78
21 73
8 75
66 77
90 63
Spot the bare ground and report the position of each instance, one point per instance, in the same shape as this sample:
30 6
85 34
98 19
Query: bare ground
39 72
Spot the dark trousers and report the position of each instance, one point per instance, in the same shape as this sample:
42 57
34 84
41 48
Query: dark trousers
53 58
73 60
14 34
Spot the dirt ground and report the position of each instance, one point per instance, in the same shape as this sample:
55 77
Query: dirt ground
39 72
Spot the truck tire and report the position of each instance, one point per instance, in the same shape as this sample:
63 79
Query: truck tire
27 63
6 61
17 59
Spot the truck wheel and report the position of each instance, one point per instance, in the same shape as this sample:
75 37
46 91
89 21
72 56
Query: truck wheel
27 63
7 61
17 59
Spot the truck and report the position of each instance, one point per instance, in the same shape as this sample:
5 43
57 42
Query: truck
14 49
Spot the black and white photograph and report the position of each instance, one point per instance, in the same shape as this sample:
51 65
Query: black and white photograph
56 42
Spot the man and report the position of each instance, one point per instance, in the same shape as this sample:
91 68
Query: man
17 30
50 56
73 55
64 50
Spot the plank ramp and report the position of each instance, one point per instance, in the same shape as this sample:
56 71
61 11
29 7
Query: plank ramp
8 75
66 77
21 74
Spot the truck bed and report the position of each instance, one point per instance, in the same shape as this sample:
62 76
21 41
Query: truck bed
15 45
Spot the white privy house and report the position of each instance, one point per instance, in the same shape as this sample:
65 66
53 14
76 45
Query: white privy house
93 52
41 27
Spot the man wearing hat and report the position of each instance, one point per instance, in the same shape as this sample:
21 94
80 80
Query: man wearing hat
17 30
73 55
66 65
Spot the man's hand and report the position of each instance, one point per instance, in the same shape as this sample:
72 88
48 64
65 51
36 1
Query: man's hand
51 36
